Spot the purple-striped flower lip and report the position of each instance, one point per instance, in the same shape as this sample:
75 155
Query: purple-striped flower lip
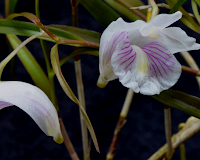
140 54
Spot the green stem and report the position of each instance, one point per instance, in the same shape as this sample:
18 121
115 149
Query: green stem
7 7
13 53
120 124
37 10
46 52
79 81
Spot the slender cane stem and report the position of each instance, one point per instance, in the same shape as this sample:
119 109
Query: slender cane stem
80 88
120 124
182 146
191 62
167 115
192 126
81 97
67 141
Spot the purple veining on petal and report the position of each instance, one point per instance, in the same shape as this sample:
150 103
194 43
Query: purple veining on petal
4 104
156 43
157 49
42 112
128 59
129 51
131 61
116 40
154 70
143 48
126 47
159 60
124 55
156 66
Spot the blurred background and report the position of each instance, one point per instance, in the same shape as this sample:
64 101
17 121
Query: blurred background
142 135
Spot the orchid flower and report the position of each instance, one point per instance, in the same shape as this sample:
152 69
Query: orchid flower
140 54
35 103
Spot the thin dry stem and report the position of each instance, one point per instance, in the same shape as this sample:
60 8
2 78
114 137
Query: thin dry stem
191 127
79 81
167 115
190 70
81 97
191 62
67 141
120 124
163 5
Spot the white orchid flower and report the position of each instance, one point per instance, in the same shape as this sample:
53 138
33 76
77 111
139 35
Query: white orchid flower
140 54
35 103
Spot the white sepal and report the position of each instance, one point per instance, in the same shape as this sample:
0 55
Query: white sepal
35 103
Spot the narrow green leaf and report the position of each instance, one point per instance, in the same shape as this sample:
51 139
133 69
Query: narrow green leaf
100 11
198 2
177 6
195 10
127 11
56 67
85 34
10 6
180 100
30 29
31 65
186 19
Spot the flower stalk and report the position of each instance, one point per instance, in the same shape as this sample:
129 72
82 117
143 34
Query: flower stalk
182 146
167 115
67 141
191 62
120 124
80 87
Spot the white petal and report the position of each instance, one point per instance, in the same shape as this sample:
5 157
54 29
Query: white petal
35 103
106 73
176 40
106 42
164 20
148 70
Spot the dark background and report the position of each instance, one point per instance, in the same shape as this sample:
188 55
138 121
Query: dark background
142 135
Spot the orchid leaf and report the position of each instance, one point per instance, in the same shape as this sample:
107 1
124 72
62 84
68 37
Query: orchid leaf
100 11
87 35
198 2
31 65
126 11
180 100
195 10
30 29
177 6
56 67
10 6
186 19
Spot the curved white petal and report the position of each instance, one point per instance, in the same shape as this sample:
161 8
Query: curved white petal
108 43
105 54
164 20
35 103
176 40
148 70
159 22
